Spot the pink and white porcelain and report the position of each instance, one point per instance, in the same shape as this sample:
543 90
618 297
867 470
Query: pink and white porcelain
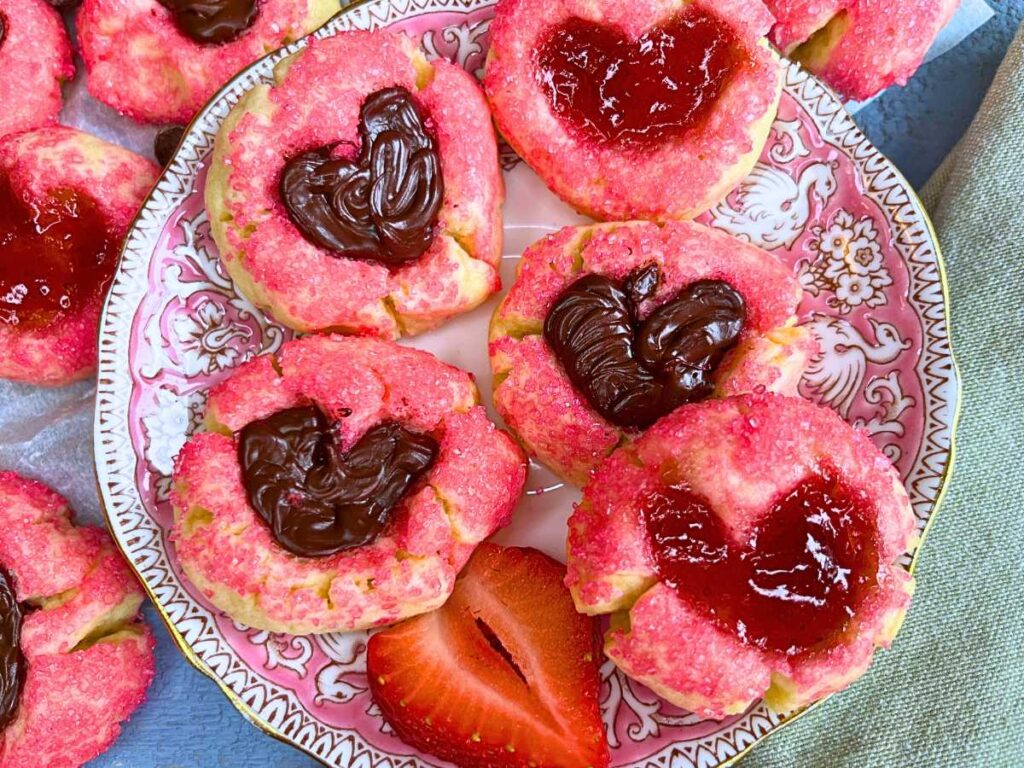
821 197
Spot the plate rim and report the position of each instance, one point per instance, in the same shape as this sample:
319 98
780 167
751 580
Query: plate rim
106 376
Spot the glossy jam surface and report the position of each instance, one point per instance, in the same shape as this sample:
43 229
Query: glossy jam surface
12 662
56 254
317 499
637 92
797 581
634 371
212 22
380 205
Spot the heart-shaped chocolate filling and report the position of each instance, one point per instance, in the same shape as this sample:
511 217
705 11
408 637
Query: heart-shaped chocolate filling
637 92
316 499
795 583
212 22
380 205
634 372
12 662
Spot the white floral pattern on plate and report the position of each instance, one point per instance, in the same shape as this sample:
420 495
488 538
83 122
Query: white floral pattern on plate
821 198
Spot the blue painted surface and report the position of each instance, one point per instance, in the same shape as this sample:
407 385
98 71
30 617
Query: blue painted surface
188 723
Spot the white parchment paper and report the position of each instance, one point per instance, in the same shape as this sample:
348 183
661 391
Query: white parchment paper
47 433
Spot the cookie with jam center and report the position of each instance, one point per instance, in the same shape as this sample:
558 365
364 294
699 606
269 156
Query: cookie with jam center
610 327
35 58
652 109
159 61
339 485
361 191
75 657
746 547
66 202
859 47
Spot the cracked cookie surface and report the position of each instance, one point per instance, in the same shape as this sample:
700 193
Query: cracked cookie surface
88 656
145 65
738 462
534 393
35 58
316 102
620 68
357 383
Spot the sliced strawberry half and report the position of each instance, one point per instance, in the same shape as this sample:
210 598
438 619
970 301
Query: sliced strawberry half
504 674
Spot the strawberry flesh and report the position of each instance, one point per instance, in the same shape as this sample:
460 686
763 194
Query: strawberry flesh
504 674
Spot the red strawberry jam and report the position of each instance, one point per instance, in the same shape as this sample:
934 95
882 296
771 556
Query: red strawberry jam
796 581
56 254
637 92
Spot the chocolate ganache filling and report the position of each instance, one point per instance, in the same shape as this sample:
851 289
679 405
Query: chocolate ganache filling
317 499
634 371
380 204
212 22
12 662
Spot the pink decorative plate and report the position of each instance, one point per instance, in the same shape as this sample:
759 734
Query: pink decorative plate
822 198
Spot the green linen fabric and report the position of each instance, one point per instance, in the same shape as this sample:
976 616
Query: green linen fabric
951 691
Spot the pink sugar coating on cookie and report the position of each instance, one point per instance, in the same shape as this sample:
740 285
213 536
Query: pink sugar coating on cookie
468 493
687 252
89 663
35 57
109 585
478 473
540 405
719 675
671 182
797 20
444 282
379 381
606 538
35 163
534 394
684 251
673 648
253 391
141 64
884 43
330 79
38 541
72 704
740 454
237 552
547 267
390 382
468 155
765 444
824 672
763 363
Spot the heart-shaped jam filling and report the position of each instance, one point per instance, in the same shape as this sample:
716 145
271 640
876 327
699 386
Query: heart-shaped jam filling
56 254
796 582
634 372
637 92
12 662
317 499
212 22
380 205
